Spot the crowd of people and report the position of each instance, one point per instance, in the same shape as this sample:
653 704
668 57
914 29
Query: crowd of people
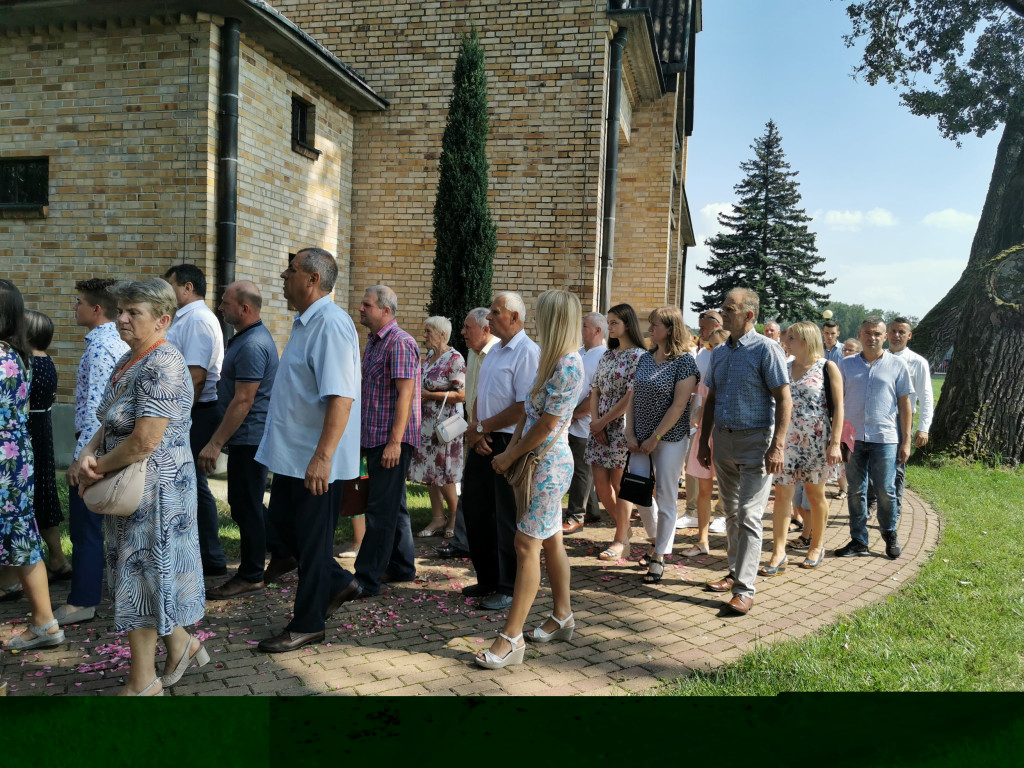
589 404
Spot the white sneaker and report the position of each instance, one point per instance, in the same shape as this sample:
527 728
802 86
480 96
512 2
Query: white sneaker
717 525
686 521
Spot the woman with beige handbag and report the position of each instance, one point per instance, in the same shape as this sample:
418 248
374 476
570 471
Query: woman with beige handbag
154 568
549 409
437 463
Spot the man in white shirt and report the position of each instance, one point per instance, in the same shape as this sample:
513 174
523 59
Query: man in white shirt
196 333
582 496
922 397
506 376
773 331
476 330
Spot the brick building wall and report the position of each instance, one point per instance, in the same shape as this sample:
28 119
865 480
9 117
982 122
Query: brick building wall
545 64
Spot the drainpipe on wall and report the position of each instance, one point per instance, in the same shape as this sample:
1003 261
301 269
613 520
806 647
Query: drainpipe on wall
611 167
227 162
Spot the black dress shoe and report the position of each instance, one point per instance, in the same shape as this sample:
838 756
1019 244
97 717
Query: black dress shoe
352 592
234 587
388 578
278 567
477 590
447 549
214 570
289 641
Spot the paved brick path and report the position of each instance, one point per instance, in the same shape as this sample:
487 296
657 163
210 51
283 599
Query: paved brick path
417 639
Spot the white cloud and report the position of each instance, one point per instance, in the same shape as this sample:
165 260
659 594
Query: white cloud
952 219
854 221
912 287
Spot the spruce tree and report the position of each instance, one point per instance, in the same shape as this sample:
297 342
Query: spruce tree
766 246
465 234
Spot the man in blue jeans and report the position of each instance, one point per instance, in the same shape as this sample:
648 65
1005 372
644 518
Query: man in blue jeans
876 392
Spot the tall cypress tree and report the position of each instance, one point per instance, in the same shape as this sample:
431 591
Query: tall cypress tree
465 234
766 246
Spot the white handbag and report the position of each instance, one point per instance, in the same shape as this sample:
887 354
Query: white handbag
452 427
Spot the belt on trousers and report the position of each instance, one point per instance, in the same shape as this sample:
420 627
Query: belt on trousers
200 406
748 429
40 410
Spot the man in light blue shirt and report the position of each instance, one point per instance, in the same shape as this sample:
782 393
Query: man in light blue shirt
311 444
830 340
876 391
747 409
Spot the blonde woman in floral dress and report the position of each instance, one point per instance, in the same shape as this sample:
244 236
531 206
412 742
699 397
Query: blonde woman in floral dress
610 395
435 464
549 409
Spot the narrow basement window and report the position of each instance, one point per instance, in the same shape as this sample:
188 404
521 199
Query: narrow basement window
24 183
304 128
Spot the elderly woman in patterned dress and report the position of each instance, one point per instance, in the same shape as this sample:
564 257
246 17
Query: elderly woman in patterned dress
436 464
549 409
610 394
21 546
154 570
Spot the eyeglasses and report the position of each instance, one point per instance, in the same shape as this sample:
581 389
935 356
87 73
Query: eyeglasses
709 316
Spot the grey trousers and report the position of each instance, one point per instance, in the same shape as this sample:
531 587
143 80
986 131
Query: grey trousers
744 487
582 496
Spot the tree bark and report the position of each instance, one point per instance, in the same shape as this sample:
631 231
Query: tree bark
1001 226
980 415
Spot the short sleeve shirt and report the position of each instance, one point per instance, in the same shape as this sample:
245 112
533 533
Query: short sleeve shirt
591 357
506 377
103 348
654 388
390 354
251 356
196 333
320 360
742 375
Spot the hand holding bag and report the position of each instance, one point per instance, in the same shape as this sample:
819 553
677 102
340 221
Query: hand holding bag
452 427
119 493
637 488
520 475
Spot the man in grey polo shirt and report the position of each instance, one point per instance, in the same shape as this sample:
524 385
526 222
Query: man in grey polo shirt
506 376
747 409
876 392
243 392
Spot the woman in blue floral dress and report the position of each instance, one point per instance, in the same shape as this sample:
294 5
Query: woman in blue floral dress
154 569
21 546
549 408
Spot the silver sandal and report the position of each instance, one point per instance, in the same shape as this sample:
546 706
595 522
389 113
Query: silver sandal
41 639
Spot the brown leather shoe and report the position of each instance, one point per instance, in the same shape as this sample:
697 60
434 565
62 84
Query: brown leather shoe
352 592
234 587
289 641
278 567
722 585
571 526
740 604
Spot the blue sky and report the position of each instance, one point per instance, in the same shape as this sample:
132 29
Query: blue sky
894 204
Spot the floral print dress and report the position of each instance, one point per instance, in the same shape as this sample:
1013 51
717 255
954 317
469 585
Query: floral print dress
434 462
20 542
154 571
806 459
553 474
613 380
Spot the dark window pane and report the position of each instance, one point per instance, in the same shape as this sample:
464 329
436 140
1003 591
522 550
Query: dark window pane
24 182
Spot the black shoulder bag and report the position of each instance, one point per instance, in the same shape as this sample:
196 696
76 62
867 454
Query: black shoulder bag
637 488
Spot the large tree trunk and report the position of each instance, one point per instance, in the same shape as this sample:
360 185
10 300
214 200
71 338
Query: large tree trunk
1000 227
980 415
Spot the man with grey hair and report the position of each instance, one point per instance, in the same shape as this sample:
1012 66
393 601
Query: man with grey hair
476 330
747 411
506 376
390 433
773 331
582 496
311 444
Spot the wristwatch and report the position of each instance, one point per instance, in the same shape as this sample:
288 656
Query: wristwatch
479 427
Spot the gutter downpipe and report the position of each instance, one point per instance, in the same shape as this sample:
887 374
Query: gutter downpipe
611 166
227 163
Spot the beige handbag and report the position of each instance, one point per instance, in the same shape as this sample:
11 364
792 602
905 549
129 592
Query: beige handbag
120 492
520 475
452 427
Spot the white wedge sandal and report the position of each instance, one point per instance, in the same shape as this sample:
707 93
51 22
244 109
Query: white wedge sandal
515 656
563 632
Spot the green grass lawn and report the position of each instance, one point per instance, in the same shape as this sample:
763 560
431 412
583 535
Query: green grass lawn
959 626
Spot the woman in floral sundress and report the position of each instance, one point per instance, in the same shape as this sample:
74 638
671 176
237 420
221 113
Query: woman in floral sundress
21 546
610 395
549 408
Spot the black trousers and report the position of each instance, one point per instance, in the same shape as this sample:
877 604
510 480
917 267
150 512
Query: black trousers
582 496
490 512
387 545
205 420
247 480
306 525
